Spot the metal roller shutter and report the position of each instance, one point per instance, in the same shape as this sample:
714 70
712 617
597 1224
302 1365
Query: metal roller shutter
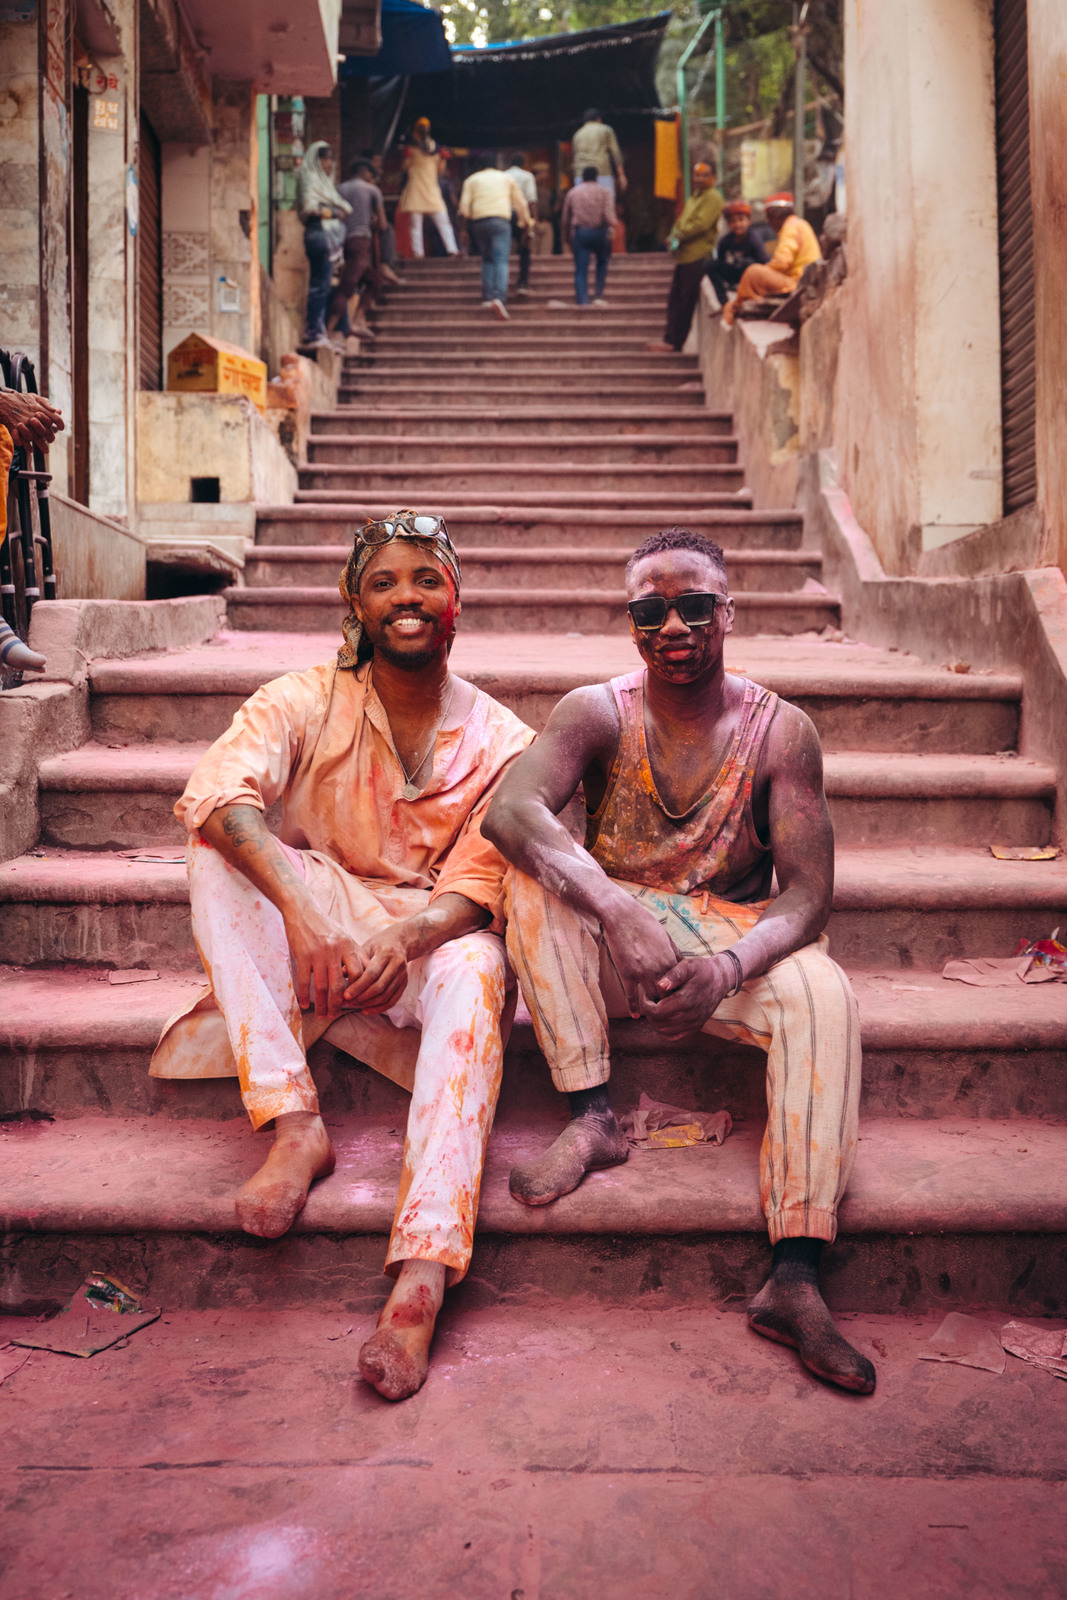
1016 231
149 262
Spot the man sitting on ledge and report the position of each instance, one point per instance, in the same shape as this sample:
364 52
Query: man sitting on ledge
698 785
796 248
369 916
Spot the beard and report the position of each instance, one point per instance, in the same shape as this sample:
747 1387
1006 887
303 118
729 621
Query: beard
408 660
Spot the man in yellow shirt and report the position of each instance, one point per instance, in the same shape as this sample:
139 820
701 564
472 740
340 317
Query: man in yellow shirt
693 240
797 248
488 200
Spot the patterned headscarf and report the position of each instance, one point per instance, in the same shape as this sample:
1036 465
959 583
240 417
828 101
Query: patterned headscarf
356 650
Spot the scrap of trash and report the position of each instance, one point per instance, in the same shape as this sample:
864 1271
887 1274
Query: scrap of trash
1037 961
657 1126
101 1313
1024 852
967 1342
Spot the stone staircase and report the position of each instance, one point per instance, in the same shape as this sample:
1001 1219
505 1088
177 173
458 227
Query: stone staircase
552 444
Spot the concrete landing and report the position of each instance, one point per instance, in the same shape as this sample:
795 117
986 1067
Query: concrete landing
555 1453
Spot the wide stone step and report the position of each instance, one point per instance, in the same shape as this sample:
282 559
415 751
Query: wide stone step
516 477
512 343
416 300
501 529
903 908
461 314
544 448
858 698
662 507
554 566
96 798
468 361
975 1198
503 610
655 370
931 1048
525 422
371 389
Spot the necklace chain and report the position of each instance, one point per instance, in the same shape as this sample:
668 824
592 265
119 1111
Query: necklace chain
409 777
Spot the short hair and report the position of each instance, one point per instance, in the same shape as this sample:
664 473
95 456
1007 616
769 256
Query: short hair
362 165
590 174
678 539
592 115
517 158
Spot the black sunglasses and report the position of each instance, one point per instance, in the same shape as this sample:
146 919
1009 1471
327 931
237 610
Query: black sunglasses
696 610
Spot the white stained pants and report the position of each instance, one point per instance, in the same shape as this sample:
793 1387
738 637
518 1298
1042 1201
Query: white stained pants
443 224
455 995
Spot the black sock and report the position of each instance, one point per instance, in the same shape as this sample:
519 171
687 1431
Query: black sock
590 1102
797 1261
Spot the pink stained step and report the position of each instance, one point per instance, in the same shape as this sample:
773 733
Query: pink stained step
115 1175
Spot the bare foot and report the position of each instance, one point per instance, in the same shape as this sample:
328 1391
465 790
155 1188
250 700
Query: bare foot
301 1152
396 1357
659 347
796 1314
586 1144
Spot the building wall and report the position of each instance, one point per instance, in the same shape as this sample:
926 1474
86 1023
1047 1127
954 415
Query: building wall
210 226
918 408
1048 144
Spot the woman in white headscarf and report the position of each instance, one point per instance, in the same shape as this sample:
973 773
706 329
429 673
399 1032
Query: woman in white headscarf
321 210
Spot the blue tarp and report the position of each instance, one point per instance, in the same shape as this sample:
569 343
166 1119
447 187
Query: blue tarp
413 42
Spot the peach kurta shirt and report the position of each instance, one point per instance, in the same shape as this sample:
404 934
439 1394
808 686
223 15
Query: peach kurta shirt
319 742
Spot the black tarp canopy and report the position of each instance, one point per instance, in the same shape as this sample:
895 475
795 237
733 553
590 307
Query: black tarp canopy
535 90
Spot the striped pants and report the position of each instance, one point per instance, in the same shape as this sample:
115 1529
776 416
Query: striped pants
802 1012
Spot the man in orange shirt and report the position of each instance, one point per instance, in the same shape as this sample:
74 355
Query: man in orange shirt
797 248
375 914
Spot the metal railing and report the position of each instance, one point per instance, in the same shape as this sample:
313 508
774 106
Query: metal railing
26 570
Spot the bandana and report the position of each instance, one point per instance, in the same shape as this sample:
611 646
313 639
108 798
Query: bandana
356 650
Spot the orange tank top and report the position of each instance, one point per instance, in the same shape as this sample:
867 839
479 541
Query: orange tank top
714 846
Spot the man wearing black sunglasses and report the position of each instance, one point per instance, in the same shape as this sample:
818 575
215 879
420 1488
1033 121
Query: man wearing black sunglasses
699 785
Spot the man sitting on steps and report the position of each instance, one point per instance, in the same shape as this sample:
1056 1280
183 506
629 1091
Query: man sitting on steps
698 786
370 915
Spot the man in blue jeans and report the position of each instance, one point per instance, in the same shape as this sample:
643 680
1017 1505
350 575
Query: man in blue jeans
588 226
488 199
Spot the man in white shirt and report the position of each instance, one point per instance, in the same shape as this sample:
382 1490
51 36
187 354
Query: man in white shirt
488 199
526 184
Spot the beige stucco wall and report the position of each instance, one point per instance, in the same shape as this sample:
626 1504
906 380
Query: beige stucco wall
918 410
209 226
209 436
1047 22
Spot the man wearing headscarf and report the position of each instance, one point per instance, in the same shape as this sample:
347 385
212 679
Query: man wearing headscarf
421 195
796 247
693 243
373 917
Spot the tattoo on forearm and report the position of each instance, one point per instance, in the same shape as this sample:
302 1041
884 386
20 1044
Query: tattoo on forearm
243 825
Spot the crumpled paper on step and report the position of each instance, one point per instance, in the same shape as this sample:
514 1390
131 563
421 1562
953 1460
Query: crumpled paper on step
965 1342
658 1126
102 1312
1042 1347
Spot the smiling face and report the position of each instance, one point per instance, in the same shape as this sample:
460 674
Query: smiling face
738 224
407 604
678 653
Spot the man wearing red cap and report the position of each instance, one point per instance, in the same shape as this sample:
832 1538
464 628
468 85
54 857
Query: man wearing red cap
693 239
796 249
738 249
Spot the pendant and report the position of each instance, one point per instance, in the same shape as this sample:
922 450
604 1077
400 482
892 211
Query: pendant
410 791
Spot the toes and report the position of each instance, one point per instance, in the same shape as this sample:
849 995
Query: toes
269 1212
389 1367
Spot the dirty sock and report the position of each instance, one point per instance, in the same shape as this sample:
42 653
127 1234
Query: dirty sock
590 1141
270 1201
790 1309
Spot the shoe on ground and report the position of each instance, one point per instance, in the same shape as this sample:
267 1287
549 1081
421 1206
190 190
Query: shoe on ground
660 347
559 305
524 292
487 305
500 311
601 304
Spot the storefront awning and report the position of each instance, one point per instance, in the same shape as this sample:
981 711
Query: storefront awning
413 44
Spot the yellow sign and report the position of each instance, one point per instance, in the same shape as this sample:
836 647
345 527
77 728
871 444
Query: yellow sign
766 167
211 366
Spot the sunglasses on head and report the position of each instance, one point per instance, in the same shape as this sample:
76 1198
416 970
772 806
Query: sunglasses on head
423 527
696 610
